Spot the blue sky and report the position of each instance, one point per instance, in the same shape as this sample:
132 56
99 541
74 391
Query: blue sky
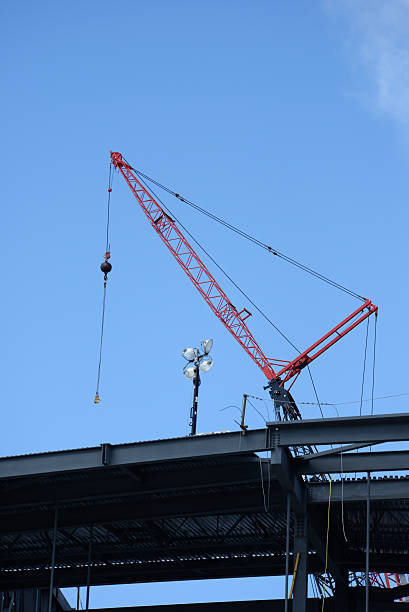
289 119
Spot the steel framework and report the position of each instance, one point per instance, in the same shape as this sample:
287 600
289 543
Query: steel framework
208 506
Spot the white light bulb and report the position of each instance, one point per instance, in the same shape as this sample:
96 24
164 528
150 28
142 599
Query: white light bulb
207 345
206 364
189 372
189 354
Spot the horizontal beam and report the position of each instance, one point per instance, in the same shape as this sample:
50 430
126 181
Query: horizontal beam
357 462
350 490
207 503
103 485
262 605
341 430
336 451
137 453
377 428
171 570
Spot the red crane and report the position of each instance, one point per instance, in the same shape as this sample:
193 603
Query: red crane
277 371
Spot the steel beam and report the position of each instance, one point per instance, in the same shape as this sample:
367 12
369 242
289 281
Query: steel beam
382 489
357 462
170 570
301 569
282 469
341 430
137 453
377 428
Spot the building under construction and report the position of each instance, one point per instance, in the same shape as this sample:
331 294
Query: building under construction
207 507
293 499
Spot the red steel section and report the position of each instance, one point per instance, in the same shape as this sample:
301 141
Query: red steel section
215 297
200 276
338 332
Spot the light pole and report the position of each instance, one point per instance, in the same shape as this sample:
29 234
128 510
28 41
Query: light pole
196 361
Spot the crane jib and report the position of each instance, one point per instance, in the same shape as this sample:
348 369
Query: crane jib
216 298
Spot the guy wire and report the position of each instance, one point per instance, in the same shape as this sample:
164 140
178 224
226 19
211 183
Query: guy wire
364 366
231 280
373 363
251 238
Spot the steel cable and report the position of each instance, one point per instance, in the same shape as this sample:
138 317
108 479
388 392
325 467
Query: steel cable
251 238
223 271
107 248
364 366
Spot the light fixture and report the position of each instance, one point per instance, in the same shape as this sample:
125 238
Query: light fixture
207 345
206 364
189 353
190 372
196 361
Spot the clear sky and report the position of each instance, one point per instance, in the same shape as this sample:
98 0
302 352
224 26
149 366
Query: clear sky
289 119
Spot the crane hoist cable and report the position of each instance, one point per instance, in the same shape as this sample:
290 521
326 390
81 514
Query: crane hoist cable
106 267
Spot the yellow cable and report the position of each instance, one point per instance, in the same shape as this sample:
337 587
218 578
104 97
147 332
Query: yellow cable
326 545
295 574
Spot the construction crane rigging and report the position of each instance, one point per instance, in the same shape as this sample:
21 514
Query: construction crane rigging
277 371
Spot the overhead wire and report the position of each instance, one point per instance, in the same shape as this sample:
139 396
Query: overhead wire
373 363
251 238
315 391
364 366
370 399
373 370
258 411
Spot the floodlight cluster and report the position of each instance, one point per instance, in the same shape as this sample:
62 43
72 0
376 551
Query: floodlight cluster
196 359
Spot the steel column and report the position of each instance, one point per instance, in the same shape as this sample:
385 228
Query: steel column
91 533
341 593
287 550
50 597
300 546
37 603
367 544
